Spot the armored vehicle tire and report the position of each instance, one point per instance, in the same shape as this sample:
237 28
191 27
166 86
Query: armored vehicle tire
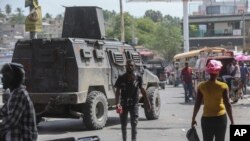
95 110
154 98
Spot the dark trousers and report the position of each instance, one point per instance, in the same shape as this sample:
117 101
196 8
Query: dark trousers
214 127
134 115
244 83
188 88
2 138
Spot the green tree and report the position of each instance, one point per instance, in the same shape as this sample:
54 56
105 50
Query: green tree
19 11
108 15
1 14
59 16
155 16
115 32
168 40
172 20
48 16
164 36
18 18
8 9
145 28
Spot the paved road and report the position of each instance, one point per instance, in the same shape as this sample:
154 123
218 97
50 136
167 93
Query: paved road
172 125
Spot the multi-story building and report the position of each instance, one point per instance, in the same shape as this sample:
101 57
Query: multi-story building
220 23
10 33
52 28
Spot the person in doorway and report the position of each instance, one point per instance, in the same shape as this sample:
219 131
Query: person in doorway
18 114
186 77
127 98
215 95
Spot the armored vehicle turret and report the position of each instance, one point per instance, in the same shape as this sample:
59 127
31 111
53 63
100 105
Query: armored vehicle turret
74 76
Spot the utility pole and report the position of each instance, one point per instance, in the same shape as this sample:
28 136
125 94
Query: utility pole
122 22
185 26
244 32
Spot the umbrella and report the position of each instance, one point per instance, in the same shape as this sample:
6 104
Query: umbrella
241 57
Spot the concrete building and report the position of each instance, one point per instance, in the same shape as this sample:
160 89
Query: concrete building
223 23
10 33
51 29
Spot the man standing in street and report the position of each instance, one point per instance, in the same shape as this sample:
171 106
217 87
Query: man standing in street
127 98
18 114
244 73
186 77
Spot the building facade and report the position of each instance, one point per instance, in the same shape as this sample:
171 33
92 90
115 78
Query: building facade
224 23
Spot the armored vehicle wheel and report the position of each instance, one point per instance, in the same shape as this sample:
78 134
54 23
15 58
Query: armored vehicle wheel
154 98
95 110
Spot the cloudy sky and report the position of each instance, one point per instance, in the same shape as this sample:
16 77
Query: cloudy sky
137 9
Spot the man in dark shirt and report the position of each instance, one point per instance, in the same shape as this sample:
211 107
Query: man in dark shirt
18 114
186 77
127 98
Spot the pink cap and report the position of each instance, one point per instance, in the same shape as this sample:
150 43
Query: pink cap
213 67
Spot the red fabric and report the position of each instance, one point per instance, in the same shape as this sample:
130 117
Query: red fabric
186 74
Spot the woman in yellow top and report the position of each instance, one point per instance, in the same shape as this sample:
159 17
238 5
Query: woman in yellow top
216 104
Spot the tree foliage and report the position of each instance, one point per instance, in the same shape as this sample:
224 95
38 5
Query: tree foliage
155 16
160 33
59 17
48 16
1 14
8 9
17 18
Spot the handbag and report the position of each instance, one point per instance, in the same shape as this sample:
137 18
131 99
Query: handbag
192 135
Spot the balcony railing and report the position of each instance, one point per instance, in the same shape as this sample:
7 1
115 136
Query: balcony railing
215 33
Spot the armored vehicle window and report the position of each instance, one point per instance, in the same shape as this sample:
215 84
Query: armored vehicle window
118 58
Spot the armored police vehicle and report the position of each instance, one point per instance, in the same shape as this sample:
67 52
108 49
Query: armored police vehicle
74 76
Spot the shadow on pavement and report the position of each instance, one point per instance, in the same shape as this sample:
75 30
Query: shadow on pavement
69 125
61 126
189 103
144 128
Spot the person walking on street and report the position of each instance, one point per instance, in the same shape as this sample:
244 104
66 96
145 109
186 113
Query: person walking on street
186 77
215 95
17 114
244 73
127 98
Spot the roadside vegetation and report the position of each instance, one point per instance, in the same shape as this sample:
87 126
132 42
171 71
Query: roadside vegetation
155 31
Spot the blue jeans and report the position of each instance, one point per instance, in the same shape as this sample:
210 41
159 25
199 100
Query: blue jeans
188 88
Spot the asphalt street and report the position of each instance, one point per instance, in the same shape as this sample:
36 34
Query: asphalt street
172 125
